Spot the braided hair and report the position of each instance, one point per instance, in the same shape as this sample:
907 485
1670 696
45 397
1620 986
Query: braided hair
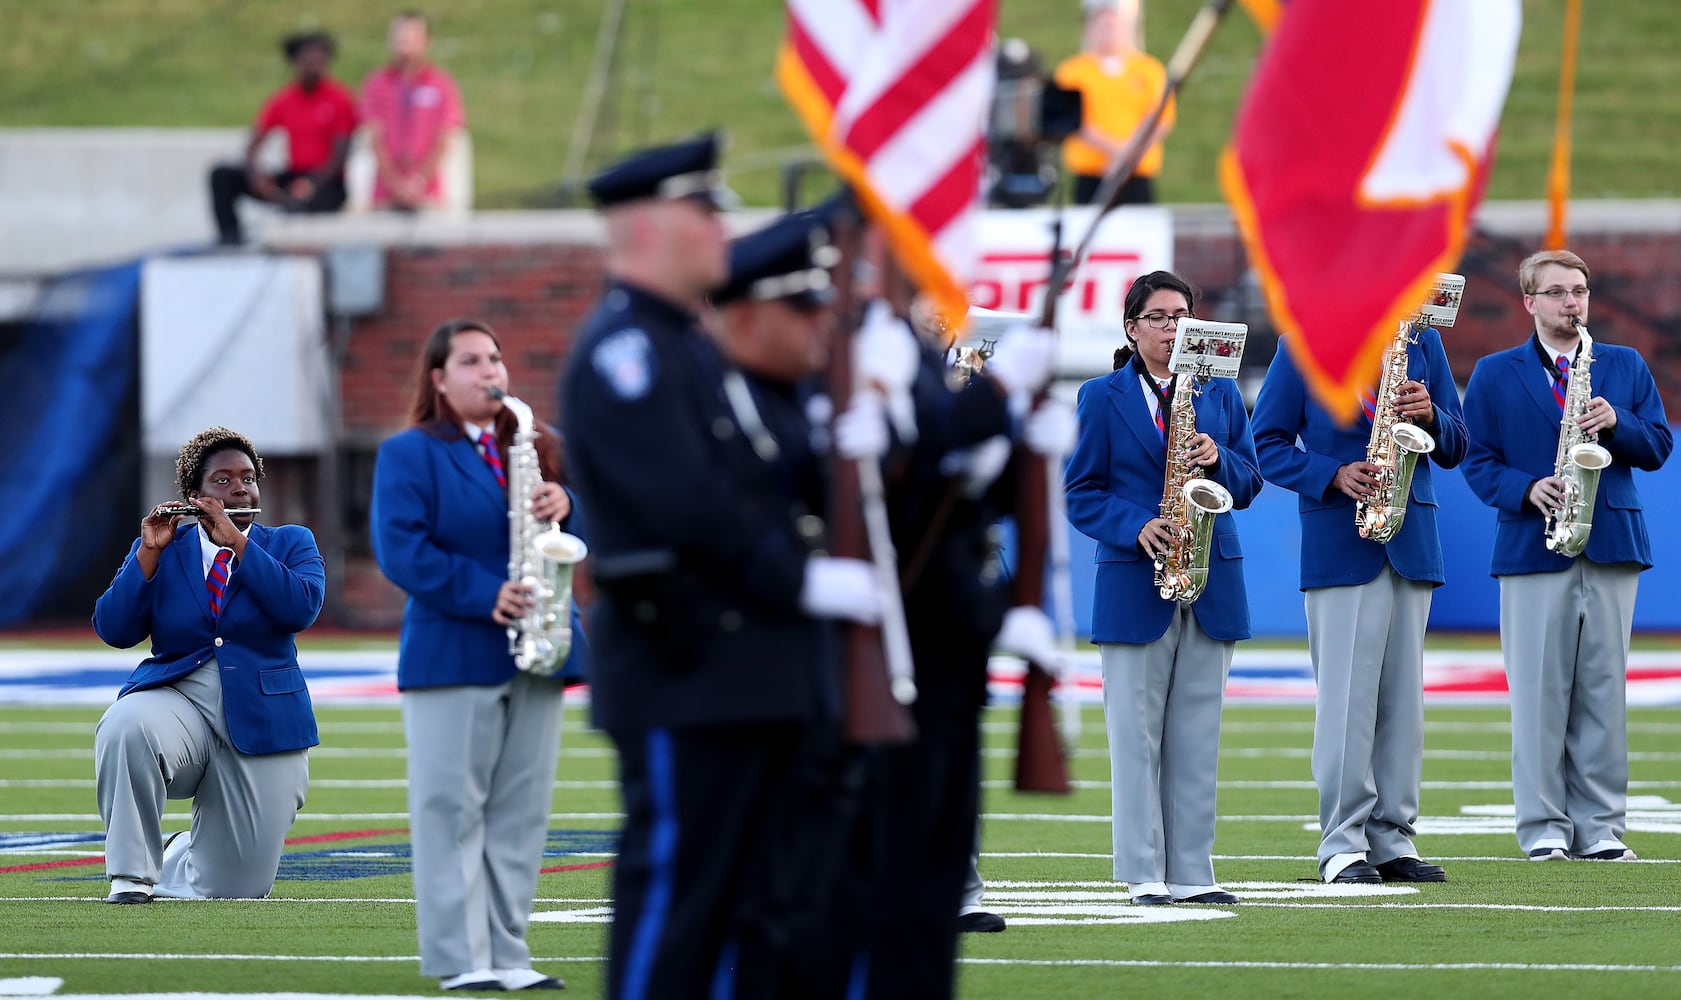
189 465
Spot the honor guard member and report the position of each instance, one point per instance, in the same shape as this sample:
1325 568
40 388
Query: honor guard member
1367 607
1565 620
946 494
707 668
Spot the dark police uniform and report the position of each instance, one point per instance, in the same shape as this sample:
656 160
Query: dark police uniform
924 797
706 672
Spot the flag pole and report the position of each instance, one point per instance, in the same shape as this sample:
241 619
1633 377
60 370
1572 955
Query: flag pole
1041 765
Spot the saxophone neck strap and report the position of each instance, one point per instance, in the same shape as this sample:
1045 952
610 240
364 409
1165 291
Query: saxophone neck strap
1164 394
1549 362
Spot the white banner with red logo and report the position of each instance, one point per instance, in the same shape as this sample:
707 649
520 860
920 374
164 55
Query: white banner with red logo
1013 269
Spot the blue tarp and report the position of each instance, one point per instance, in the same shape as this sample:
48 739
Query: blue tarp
69 416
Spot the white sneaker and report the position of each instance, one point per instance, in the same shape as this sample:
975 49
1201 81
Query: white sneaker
127 891
527 979
478 979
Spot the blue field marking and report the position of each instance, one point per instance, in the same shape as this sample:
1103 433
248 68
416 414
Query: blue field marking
335 863
24 841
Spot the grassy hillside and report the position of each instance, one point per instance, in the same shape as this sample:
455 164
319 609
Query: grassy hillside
686 64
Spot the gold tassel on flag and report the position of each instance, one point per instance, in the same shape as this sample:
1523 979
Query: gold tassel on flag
1558 173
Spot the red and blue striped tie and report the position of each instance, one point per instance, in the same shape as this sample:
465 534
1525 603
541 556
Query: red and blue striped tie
493 458
1561 381
217 581
1368 403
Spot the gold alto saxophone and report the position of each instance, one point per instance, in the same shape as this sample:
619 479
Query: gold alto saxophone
1394 446
1580 459
541 557
1190 502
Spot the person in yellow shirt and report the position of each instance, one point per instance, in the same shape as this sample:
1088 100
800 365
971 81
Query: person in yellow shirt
1120 84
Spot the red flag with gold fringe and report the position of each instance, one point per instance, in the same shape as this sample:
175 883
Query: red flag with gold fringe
1359 154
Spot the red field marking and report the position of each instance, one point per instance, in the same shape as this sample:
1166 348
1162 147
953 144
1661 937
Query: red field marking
40 865
575 868
322 838
96 859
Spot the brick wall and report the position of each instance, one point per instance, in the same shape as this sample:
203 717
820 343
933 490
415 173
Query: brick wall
536 295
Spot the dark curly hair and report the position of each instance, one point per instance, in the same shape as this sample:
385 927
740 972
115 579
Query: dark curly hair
189 465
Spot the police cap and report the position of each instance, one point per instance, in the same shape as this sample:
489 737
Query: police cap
681 170
788 259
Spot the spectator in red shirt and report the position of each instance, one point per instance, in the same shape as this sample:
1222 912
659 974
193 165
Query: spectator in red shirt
412 108
318 115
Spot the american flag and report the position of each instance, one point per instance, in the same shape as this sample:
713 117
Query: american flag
895 93
1360 153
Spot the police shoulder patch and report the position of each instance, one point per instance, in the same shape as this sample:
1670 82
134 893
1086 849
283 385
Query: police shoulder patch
626 361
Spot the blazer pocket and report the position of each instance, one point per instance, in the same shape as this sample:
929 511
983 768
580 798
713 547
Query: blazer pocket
1110 553
1423 492
1230 546
281 680
1622 499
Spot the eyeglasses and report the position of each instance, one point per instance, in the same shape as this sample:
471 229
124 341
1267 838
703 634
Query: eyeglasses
1162 321
1558 294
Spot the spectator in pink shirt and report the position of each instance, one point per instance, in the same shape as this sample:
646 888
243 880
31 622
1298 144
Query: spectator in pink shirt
411 108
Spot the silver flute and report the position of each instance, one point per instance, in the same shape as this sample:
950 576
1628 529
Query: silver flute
174 507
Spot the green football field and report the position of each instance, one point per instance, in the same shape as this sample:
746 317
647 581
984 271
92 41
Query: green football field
342 918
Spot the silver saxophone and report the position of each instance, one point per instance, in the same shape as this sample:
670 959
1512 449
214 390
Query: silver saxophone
541 557
1580 459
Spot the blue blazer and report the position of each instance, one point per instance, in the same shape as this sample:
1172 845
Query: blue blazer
1301 447
1114 485
440 532
274 593
1515 421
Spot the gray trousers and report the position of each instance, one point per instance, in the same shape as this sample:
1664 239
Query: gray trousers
1161 704
481 783
1565 639
1367 645
172 743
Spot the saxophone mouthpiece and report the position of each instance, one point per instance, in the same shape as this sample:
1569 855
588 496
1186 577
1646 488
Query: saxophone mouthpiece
495 393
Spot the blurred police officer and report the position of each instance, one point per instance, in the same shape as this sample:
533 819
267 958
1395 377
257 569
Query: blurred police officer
709 671
946 494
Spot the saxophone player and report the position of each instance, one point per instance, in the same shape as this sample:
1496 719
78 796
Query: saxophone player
1367 602
483 736
1164 662
1565 621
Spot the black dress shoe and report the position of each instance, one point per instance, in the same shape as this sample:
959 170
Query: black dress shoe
980 923
1217 897
126 898
477 986
546 983
1358 873
1411 870
1152 899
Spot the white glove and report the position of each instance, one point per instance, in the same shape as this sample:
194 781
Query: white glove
1051 429
1022 361
885 354
885 359
841 588
861 431
982 464
1027 633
